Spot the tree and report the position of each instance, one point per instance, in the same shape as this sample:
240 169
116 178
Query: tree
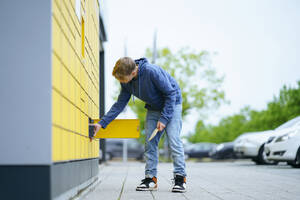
281 109
199 83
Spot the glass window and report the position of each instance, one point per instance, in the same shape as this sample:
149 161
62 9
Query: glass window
289 123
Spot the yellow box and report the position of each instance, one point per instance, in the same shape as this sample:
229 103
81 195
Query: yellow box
120 128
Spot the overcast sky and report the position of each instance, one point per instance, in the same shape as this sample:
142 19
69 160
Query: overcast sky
257 41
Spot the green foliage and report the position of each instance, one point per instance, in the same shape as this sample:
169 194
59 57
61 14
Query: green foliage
199 83
283 108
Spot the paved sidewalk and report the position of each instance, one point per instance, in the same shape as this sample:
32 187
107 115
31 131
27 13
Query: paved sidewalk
241 180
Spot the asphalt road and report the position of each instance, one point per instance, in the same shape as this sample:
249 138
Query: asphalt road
206 180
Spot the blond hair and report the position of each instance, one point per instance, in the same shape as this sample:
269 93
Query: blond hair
123 67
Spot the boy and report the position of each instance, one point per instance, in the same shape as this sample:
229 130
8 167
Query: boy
162 96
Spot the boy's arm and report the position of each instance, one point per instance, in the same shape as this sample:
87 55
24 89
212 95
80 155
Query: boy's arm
162 82
118 107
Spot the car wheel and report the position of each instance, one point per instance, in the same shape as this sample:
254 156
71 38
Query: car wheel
296 163
262 158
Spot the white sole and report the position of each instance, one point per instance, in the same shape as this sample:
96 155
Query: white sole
178 190
146 189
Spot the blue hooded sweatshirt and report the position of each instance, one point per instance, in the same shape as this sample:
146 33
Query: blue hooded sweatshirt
154 86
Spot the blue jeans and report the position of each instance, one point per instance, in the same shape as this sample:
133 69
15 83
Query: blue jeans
172 130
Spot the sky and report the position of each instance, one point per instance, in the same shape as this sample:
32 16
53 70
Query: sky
256 42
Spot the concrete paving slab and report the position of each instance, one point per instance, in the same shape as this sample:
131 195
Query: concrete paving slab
206 180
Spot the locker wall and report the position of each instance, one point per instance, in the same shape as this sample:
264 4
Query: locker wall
75 78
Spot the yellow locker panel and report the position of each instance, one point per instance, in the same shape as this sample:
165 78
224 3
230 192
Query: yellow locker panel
83 78
56 108
85 149
56 144
56 34
56 73
77 120
85 130
65 82
64 50
97 148
65 145
77 94
72 145
72 61
65 113
82 144
72 117
78 150
120 128
68 55
88 145
72 89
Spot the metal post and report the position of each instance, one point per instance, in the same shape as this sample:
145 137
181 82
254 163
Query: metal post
125 150
102 101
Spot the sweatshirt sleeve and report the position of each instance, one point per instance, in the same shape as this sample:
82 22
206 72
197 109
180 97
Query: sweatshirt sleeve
117 108
162 82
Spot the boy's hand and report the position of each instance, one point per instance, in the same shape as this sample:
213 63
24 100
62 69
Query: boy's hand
160 126
96 128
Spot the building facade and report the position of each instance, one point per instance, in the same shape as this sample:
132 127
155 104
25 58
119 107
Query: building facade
50 52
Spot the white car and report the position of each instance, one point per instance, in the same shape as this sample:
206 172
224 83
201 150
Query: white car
285 147
252 145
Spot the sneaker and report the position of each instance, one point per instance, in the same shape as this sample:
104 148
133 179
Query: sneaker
179 184
148 184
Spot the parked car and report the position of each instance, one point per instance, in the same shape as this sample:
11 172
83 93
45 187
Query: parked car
252 145
285 146
198 150
223 151
114 149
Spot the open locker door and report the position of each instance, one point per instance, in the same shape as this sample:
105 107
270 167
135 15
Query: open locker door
118 128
